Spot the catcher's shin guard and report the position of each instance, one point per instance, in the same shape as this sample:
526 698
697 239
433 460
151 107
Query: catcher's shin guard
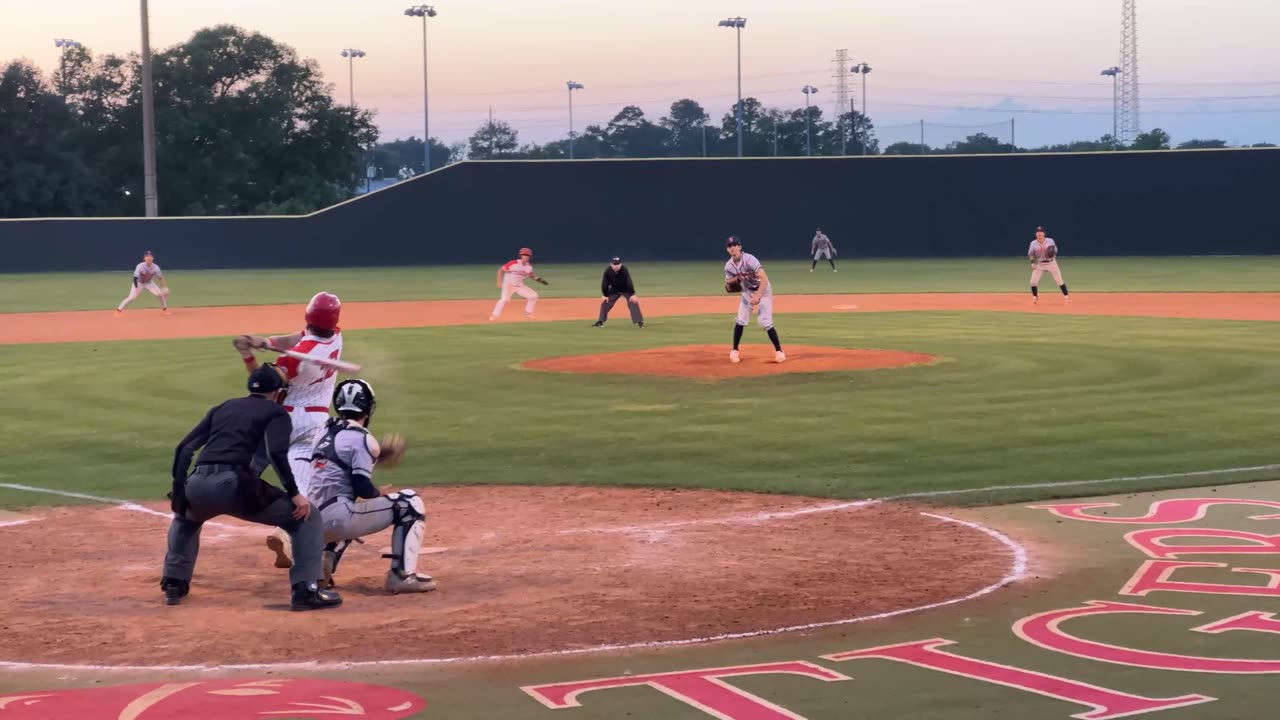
409 517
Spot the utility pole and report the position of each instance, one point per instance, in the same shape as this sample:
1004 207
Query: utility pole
151 197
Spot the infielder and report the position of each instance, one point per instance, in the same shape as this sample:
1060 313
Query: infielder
743 274
310 385
351 506
822 249
1043 255
147 276
511 279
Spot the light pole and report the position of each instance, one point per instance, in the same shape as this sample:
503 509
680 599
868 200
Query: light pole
737 23
863 69
150 196
424 12
1114 73
808 135
351 54
572 86
66 45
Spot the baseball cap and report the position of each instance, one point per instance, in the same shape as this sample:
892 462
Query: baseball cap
266 379
1039 228
148 252
616 261
731 242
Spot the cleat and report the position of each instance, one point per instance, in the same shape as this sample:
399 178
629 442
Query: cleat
834 270
415 583
165 311
174 590
1035 301
1067 299
780 356
279 543
597 324
810 269
733 356
118 313
492 318
309 596
640 324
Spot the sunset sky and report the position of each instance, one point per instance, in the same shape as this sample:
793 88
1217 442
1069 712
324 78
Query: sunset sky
946 62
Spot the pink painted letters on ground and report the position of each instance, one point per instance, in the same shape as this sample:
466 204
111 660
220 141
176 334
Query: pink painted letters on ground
1162 512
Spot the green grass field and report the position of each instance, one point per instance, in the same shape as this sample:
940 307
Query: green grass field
1014 400
88 291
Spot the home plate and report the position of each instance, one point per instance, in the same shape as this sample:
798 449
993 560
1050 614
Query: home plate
844 307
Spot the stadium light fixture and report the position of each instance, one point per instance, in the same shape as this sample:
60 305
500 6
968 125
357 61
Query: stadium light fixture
572 86
737 23
424 12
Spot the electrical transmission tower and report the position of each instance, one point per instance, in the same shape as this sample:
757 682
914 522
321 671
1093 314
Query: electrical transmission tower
1130 106
842 81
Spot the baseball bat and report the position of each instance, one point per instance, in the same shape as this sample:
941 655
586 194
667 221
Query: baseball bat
338 365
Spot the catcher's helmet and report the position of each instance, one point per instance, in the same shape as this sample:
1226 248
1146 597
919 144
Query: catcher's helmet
323 310
354 397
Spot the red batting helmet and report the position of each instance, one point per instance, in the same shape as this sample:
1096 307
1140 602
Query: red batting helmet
323 310
525 251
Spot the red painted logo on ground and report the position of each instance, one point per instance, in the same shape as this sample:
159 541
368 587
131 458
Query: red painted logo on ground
301 699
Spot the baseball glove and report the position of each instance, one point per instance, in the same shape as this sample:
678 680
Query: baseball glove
393 446
733 286
1050 252
540 280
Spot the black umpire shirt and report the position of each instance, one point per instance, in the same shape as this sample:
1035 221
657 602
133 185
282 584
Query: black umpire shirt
233 432
617 281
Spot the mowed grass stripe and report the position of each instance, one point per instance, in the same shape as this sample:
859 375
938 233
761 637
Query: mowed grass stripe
1014 400
196 288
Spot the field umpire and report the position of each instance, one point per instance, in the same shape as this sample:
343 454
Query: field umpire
223 484
615 284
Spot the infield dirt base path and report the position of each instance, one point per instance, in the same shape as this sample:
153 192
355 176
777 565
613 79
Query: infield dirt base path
149 324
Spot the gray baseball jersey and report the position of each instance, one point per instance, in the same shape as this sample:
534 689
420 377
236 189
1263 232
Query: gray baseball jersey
820 242
747 270
341 452
1037 251
146 273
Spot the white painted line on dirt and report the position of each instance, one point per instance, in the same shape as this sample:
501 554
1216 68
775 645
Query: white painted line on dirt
837 507
11 523
1017 568
122 504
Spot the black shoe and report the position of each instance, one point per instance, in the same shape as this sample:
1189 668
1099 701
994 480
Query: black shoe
597 324
640 324
309 596
174 590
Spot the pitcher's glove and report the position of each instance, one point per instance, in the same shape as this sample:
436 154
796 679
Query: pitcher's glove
733 286
392 450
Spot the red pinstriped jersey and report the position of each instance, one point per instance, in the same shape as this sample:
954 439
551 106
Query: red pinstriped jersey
310 384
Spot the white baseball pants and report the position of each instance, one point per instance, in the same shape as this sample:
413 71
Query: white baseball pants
529 294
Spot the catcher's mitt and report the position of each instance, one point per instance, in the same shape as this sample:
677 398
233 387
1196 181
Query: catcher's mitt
540 280
733 286
392 446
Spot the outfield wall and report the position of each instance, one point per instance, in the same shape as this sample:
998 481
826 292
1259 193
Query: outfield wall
1218 202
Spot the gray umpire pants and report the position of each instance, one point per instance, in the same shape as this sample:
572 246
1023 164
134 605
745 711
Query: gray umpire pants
214 490
607 305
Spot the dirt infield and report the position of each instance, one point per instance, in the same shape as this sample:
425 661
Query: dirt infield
101 325
711 361
527 570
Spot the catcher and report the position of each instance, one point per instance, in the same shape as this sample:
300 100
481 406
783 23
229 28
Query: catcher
350 506
1043 254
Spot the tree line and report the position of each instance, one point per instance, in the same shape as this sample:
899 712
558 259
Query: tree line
243 126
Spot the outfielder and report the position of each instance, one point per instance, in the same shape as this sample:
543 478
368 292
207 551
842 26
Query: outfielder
310 385
743 274
511 279
822 249
147 276
1043 255
350 505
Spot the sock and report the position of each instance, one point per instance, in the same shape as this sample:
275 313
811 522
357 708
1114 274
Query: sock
814 265
773 337
1064 290
737 335
1035 291
833 264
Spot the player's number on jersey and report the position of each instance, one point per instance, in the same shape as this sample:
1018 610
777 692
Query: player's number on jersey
329 372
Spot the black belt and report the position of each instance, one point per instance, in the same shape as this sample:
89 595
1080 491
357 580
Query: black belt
329 502
207 468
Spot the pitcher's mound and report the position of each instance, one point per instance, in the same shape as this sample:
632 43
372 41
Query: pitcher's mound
712 361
